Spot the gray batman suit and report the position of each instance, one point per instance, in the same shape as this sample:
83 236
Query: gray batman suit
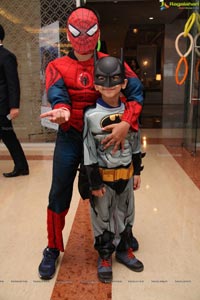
113 212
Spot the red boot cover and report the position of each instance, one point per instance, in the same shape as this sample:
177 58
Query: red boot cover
55 225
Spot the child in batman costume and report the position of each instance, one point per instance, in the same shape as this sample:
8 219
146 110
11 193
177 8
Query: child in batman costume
111 174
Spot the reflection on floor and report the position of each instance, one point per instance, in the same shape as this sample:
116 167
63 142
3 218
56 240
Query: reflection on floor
167 226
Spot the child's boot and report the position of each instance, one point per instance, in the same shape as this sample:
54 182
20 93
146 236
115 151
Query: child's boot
104 270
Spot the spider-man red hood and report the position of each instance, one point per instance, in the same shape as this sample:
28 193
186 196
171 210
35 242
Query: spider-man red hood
83 30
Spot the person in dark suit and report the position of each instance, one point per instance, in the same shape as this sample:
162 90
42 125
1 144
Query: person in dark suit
9 108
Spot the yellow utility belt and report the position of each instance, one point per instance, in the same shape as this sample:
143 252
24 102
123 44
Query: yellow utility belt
116 174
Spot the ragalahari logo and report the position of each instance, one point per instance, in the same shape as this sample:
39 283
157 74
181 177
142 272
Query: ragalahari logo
180 4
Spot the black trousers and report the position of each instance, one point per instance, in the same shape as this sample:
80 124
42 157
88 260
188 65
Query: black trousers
9 138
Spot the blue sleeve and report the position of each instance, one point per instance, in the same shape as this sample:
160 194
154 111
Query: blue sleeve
57 93
134 90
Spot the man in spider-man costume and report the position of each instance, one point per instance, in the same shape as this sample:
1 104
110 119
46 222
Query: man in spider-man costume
70 89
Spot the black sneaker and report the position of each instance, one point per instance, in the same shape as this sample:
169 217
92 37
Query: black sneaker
128 259
47 267
104 270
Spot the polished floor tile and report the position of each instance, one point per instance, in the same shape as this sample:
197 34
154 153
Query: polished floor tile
167 226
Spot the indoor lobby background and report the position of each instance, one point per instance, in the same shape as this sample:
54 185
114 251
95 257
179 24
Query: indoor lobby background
166 106
167 205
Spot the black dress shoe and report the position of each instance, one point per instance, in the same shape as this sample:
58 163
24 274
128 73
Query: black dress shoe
16 173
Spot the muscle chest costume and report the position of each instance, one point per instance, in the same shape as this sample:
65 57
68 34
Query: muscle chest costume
95 156
69 84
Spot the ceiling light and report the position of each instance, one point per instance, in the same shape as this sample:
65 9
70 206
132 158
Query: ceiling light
151 18
158 77
145 63
135 30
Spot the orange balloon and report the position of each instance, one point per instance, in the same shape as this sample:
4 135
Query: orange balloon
181 60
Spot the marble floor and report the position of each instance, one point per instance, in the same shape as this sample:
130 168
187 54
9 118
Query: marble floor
167 226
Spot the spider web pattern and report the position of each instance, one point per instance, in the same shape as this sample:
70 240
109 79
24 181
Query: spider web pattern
56 10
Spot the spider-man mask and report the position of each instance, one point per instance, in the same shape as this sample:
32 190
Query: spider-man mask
83 30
